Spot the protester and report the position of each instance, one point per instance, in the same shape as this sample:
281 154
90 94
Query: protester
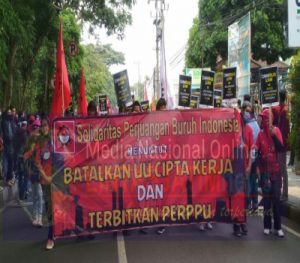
136 107
269 143
92 109
122 109
43 161
8 131
19 148
256 108
30 120
252 186
247 143
281 120
161 104
33 174
247 97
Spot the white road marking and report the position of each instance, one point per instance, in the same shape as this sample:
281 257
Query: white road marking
291 231
122 257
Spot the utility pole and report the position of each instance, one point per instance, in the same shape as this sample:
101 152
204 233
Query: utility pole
160 7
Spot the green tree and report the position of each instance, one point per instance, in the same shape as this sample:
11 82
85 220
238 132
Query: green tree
26 26
98 79
209 33
295 113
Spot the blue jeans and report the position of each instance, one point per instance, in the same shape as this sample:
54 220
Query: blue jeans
37 196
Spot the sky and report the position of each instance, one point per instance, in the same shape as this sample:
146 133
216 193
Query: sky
138 44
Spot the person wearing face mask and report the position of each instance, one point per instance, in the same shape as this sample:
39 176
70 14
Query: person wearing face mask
8 131
269 142
247 145
252 186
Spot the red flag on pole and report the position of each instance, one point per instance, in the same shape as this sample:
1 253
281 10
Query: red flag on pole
82 103
62 94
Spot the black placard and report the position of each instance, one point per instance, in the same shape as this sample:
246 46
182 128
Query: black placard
207 88
185 87
217 98
229 83
194 102
145 105
103 104
269 86
122 88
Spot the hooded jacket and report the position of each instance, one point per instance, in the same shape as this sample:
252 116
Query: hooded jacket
267 146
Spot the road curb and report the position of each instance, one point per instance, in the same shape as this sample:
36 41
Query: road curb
8 194
291 211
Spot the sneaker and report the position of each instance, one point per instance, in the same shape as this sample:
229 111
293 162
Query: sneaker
50 244
209 226
35 222
244 229
237 231
161 231
201 227
280 233
267 231
39 223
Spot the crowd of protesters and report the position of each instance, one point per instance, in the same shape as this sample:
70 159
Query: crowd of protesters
26 156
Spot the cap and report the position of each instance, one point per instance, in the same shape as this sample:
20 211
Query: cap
265 113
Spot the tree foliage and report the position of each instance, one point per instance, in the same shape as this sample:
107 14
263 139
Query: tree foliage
295 113
209 34
98 79
28 36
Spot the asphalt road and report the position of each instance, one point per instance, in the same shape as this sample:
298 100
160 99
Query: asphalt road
20 242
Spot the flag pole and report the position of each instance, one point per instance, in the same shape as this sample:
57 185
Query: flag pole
62 76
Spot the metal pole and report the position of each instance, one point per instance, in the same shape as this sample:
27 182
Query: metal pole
157 50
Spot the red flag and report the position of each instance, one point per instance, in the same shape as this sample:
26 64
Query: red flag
62 94
82 103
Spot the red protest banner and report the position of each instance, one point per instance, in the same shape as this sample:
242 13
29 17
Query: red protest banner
168 167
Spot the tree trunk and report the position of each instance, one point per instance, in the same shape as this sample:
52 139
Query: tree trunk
8 86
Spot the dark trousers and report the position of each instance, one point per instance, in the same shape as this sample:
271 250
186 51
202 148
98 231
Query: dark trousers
48 206
252 189
8 164
22 179
271 201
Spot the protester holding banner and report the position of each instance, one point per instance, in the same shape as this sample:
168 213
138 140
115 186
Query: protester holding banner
252 186
92 109
161 104
247 141
269 143
43 161
281 120
136 107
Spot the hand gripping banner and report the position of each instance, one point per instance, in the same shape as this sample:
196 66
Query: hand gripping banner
148 169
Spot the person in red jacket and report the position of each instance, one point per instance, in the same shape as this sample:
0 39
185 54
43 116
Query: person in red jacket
268 143
281 121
